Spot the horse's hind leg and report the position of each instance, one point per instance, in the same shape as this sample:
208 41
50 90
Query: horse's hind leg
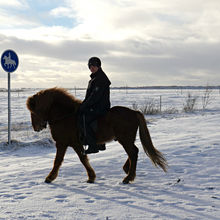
84 159
61 150
126 166
131 163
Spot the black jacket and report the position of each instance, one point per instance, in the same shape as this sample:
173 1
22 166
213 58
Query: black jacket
97 100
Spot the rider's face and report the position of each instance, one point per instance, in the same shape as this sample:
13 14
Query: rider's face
93 69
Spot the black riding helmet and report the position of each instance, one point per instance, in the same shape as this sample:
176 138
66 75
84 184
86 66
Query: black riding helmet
94 61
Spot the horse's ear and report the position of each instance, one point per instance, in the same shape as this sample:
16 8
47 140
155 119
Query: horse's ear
31 103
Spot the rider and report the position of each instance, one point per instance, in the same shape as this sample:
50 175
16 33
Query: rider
95 104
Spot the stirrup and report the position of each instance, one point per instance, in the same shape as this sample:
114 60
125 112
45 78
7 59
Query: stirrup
91 150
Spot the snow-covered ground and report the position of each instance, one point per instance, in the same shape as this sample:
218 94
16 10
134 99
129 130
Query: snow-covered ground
190 189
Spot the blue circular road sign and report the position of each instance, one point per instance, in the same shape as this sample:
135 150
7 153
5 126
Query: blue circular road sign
9 61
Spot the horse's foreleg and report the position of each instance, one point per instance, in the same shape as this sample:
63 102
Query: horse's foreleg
61 150
85 161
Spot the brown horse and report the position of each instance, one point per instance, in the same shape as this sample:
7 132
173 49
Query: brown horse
59 109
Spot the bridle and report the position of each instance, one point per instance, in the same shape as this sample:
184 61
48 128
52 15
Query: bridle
54 121
43 121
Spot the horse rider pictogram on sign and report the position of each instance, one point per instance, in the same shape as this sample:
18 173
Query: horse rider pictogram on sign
9 61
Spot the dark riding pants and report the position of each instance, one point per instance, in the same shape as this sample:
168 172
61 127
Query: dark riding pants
88 126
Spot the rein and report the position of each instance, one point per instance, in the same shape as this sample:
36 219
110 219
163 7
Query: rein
52 122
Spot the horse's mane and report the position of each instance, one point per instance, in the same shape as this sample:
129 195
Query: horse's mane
59 96
64 94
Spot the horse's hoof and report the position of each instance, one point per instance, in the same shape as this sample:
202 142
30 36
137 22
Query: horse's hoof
48 180
125 181
90 181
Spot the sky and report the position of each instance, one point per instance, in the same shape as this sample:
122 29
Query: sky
140 43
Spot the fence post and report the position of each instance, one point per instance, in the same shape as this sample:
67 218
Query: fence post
160 103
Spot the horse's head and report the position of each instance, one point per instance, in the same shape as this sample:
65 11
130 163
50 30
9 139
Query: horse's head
49 105
37 123
38 105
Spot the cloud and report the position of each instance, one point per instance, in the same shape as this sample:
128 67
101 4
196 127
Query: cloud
118 20
129 62
11 3
140 42
62 12
10 23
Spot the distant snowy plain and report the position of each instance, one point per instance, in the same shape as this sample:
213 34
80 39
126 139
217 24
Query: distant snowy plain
189 141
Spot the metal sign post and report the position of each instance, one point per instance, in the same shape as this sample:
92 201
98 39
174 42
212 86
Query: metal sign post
9 108
9 62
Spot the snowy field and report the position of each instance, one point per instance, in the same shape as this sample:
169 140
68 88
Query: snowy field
190 142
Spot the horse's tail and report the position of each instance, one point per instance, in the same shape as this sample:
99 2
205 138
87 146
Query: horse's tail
156 156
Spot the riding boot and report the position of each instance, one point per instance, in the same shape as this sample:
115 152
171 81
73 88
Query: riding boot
101 147
91 150
90 136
